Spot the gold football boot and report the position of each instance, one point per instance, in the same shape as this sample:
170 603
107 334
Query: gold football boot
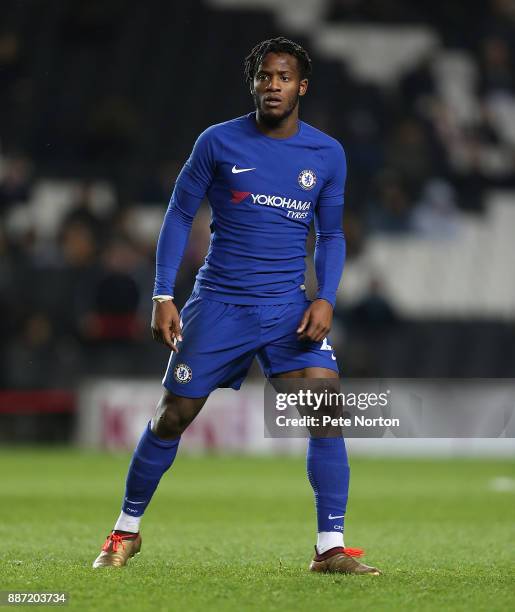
118 549
341 560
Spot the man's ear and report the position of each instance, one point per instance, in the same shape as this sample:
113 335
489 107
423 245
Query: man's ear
303 87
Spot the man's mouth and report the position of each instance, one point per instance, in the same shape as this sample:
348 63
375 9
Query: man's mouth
272 101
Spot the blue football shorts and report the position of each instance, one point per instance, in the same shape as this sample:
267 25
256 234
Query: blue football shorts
220 341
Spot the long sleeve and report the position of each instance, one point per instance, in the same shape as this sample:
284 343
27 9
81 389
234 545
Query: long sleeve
191 186
330 241
329 251
173 239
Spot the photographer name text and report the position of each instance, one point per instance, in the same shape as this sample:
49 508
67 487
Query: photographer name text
358 420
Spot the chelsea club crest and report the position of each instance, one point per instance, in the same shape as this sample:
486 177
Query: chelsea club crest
182 373
307 179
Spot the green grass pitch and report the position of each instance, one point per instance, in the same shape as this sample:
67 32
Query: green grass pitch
234 533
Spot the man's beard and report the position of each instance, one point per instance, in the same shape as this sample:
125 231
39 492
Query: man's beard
274 120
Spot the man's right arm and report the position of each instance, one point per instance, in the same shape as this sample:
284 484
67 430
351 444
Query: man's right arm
191 187
172 242
173 239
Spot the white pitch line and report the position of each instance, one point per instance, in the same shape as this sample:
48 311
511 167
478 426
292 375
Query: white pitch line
502 484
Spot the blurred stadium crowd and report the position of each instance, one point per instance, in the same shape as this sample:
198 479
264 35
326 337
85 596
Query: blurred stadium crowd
101 102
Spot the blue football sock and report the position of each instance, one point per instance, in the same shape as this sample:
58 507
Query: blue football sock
152 457
328 473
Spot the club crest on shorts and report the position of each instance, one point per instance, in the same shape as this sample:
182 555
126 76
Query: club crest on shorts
307 179
182 373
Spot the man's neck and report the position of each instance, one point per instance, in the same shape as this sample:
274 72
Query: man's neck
284 129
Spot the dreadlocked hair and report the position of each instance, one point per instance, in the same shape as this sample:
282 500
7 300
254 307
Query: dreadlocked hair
276 45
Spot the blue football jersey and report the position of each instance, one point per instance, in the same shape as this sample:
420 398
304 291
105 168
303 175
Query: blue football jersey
263 193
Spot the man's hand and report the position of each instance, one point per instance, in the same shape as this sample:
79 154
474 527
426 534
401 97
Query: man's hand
316 322
166 326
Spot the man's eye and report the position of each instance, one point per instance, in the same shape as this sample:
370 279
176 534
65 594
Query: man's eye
285 78
261 77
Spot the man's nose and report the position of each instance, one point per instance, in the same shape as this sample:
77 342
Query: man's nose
274 84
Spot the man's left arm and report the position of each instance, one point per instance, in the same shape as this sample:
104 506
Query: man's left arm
329 262
329 252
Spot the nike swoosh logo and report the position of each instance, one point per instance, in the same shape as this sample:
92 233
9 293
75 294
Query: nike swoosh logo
131 502
238 170
331 517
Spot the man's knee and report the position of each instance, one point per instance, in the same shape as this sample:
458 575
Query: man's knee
174 413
